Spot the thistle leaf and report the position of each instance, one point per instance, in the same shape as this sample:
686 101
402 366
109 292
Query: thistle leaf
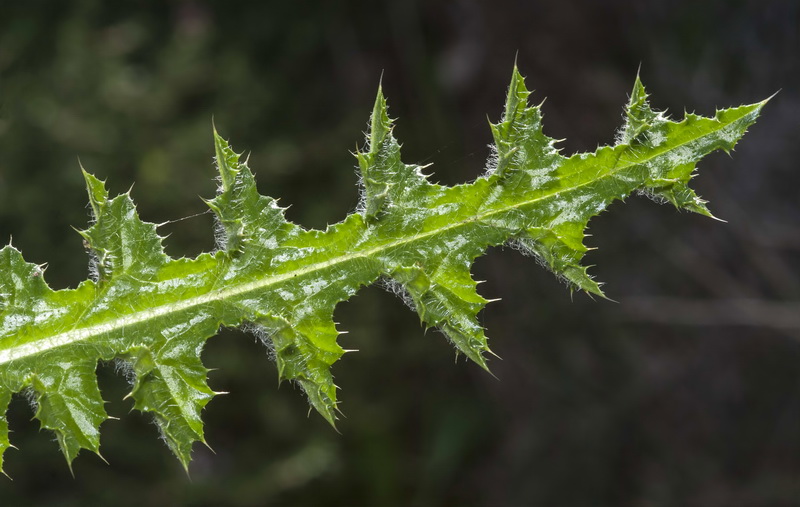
387 181
5 400
154 313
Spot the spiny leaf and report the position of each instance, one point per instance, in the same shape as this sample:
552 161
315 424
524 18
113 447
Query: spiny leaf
154 314
5 400
387 182
120 243
69 403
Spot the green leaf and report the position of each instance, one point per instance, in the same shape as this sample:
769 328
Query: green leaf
283 282
5 400
388 183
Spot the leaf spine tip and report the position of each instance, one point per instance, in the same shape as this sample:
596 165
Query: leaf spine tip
490 351
764 102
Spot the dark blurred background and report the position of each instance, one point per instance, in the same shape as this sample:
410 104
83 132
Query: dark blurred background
686 392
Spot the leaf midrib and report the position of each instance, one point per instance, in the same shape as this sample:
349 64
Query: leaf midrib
86 333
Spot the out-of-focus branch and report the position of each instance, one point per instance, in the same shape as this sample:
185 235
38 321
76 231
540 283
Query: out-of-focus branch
778 315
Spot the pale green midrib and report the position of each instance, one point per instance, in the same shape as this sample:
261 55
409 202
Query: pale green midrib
77 335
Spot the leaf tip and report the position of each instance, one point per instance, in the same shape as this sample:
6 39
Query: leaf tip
96 188
225 158
380 124
517 96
